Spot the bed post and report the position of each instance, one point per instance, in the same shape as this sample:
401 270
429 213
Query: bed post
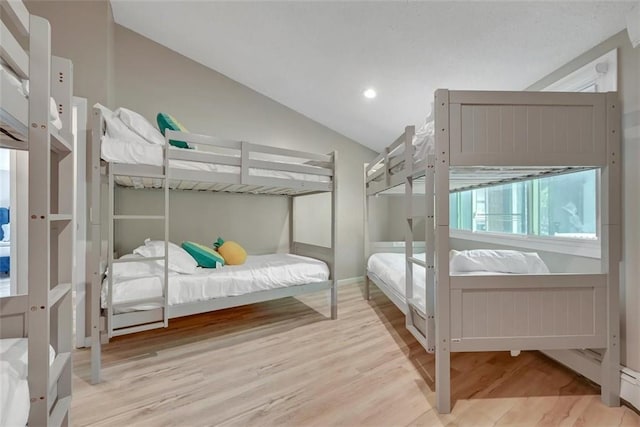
409 131
611 251
442 310
334 238
367 251
94 255
39 227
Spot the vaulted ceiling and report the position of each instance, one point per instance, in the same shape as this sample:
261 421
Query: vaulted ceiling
318 57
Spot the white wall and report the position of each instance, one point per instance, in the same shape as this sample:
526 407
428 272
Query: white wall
5 179
629 93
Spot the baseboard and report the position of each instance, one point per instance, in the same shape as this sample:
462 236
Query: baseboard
587 364
351 280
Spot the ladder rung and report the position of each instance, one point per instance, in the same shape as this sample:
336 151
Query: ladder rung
418 261
58 293
139 328
60 217
59 411
58 365
138 217
141 259
156 300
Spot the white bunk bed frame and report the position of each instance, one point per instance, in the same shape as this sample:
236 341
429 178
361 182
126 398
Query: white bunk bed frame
44 315
105 323
483 138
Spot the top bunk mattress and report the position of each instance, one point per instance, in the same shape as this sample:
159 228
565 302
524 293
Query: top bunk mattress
14 109
134 153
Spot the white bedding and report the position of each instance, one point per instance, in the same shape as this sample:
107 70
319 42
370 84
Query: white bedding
14 387
390 267
258 273
5 249
22 87
129 152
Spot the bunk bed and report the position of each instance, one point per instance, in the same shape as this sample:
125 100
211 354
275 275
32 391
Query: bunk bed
36 327
481 139
122 304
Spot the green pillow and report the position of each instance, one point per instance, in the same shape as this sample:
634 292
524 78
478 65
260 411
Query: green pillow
205 256
167 121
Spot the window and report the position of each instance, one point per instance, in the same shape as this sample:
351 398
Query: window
563 206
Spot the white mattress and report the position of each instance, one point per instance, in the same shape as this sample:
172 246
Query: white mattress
8 79
390 268
128 152
5 249
258 273
14 387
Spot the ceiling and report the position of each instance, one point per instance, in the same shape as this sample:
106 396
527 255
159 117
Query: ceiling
318 57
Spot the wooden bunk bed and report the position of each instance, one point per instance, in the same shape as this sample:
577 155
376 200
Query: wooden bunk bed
486 138
36 328
217 165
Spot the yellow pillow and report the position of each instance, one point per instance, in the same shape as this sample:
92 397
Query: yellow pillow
233 253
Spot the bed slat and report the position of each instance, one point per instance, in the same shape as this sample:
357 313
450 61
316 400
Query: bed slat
18 13
13 53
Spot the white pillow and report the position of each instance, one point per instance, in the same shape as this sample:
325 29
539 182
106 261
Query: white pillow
116 128
140 125
6 230
498 261
179 260
135 269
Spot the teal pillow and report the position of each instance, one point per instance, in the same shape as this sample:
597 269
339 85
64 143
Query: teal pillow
205 256
167 121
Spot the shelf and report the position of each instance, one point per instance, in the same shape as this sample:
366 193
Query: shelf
58 293
59 143
59 411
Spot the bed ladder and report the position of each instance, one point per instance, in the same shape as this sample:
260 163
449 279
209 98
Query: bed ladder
139 321
50 238
420 321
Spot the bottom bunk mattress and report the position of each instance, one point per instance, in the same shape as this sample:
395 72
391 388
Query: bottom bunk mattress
14 386
389 268
258 273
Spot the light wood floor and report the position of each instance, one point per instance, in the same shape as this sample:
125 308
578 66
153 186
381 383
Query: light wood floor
283 363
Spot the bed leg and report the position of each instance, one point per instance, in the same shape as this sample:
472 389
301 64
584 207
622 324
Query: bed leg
334 300
367 288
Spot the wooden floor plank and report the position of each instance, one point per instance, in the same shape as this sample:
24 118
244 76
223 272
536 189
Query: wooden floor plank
285 363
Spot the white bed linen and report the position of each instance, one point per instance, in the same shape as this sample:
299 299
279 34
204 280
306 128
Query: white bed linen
14 387
5 249
22 87
258 273
390 268
129 152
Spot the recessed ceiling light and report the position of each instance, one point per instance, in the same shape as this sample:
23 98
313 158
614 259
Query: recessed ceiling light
370 93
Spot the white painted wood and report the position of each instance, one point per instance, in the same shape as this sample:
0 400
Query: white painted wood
12 52
442 308
18 13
